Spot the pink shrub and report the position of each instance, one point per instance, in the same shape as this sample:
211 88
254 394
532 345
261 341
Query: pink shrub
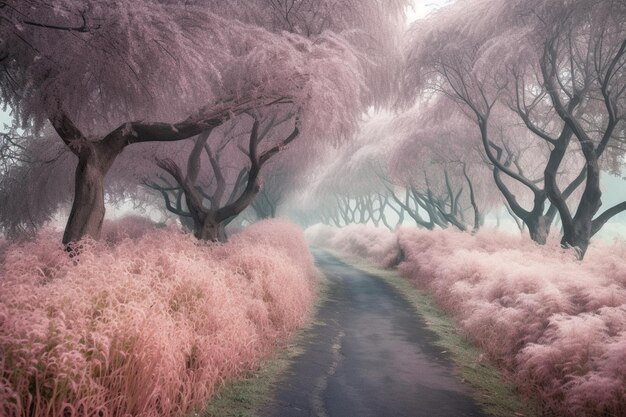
279 234
149 327
558 325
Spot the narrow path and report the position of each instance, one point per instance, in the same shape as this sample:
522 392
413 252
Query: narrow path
369 354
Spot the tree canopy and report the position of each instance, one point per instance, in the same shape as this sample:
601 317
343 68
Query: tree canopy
478 106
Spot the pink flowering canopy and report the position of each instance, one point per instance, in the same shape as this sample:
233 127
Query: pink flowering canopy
123 72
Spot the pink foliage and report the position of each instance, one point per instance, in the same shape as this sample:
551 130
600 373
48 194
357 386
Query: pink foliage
556 324
148 327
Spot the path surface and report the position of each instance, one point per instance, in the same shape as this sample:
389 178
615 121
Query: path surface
369 354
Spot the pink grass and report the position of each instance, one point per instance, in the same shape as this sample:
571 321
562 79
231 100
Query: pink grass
148 327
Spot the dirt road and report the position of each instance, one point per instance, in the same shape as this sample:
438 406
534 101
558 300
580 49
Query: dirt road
369 354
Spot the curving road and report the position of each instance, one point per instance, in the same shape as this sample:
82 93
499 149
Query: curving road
369 354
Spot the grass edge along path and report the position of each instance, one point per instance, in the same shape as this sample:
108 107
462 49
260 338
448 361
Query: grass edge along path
244 396
494 393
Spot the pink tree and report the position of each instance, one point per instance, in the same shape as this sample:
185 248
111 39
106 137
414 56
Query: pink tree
574 71
223 172
307 18
564 81
34 183
438 160
210 68
433 176
209 206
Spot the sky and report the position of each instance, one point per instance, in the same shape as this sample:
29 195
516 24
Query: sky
5 119
421 8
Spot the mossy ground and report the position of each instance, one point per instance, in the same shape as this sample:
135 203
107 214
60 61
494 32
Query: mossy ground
244 396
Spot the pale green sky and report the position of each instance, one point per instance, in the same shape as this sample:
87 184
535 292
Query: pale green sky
422 7
4 118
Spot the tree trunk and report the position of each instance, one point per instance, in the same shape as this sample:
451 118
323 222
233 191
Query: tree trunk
211 230
477 215
577 234
88 209
539 228
538 224
187 223
578 238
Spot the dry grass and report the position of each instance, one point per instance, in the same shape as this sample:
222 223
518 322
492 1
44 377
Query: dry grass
149 326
